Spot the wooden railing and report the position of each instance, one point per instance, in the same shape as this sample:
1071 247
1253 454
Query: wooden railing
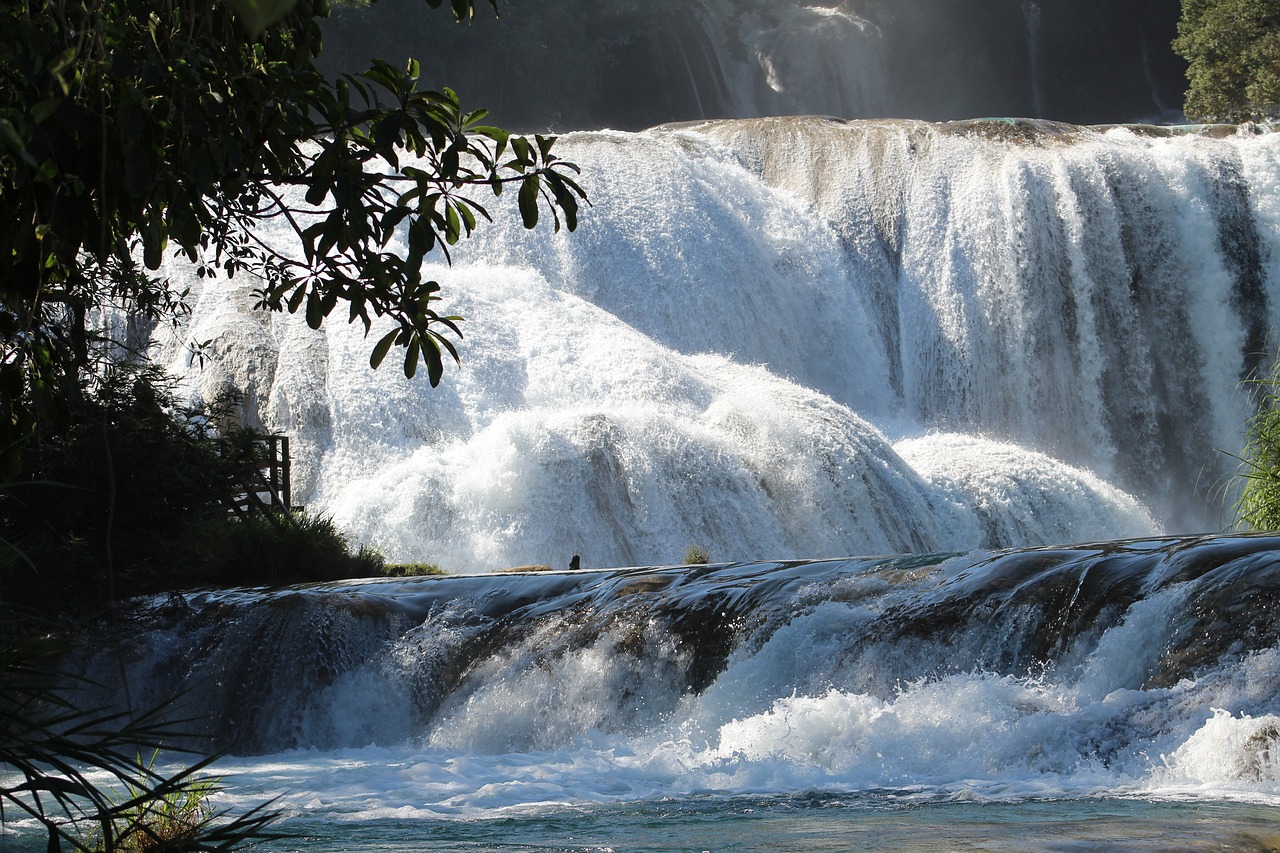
266 485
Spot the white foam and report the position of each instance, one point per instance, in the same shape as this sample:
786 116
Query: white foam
1020 495
716 355
971 736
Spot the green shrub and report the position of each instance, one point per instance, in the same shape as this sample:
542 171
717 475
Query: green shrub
171 820
133 498
274 549
411 570
696 555
99 508
1232 48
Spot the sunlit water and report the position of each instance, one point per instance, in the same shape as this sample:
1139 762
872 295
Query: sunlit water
798 338
1116 696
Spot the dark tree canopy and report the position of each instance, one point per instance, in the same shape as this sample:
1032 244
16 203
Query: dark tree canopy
132 129
1233 47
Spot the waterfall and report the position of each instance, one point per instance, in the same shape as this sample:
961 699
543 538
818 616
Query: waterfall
788 341
800 338
1070 289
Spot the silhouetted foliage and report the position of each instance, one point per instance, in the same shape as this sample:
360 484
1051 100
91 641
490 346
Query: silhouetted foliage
132 129
57 756
134 497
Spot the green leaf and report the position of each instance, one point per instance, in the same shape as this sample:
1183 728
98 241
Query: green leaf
381 349
529 201
315 311
562 189
295 301
497 134
14 140
523 151
331 233
435 364
468 217
153 241
453 227
411 357
43 109
448 321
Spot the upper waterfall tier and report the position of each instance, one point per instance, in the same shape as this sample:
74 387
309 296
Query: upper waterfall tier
803 337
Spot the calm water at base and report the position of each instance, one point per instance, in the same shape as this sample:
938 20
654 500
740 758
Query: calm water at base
820 824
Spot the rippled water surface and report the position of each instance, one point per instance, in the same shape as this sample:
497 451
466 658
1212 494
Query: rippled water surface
822 823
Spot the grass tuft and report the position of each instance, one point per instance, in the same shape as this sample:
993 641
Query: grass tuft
696 555
173 820
1259 503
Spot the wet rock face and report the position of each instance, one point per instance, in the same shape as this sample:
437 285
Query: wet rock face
630 66
1084 62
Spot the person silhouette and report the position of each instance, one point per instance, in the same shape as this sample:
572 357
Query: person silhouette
574 564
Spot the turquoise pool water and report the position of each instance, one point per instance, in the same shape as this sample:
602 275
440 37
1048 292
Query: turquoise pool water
820 823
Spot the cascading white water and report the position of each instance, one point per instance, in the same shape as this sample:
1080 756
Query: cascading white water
800 337
1075 290
1143 669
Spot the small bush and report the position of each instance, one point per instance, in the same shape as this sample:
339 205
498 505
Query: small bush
696 555
133 498
411 570
273 549
101 509
147 821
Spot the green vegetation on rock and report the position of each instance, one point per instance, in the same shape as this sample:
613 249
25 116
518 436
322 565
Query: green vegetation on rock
412 570
1259 503
697 555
